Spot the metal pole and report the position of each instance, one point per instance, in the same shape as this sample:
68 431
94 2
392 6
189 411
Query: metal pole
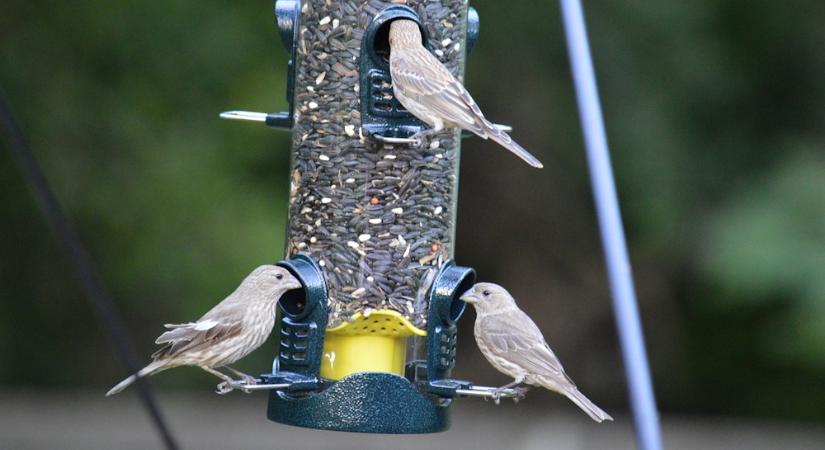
625 309
96 293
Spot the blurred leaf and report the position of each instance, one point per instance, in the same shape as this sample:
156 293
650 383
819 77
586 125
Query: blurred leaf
768 243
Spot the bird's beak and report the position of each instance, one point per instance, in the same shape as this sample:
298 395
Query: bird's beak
468 297
292 283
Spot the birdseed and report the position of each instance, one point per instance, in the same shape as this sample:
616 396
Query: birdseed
379 219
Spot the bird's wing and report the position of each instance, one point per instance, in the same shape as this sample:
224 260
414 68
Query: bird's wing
424 79
186 331
193 335
514 336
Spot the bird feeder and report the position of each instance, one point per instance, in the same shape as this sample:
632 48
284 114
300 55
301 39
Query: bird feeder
369 343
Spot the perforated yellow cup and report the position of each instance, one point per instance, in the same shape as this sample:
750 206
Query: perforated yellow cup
373 343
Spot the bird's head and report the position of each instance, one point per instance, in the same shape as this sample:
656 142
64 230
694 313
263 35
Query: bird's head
488 297
273 278
404 32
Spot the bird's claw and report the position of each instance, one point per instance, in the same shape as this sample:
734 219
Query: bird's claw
249 380
497 396
420 139
418 142
224 388
520 394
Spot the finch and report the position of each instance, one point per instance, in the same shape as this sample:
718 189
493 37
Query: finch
514 345
430 92
228 332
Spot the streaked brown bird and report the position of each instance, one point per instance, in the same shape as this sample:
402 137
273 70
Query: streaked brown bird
514 345
228 332
430 92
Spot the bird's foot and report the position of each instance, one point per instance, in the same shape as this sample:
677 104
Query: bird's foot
224 388
244 380
497 396
421 138
248 380
521 392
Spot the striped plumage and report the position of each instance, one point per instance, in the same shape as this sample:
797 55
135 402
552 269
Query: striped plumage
231 330
514 345
430 92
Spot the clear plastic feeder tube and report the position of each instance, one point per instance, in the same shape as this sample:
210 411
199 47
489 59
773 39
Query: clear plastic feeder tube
378 219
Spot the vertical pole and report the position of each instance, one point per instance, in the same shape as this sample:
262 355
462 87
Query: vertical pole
625 309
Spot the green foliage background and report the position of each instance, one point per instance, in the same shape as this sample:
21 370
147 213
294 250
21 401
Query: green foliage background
715 115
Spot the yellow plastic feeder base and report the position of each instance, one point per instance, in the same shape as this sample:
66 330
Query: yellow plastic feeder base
374 343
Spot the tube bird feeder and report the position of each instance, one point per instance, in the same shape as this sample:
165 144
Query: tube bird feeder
369 344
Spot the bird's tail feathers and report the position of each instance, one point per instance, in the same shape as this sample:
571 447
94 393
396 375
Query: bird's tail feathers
151 368
507 142
586 405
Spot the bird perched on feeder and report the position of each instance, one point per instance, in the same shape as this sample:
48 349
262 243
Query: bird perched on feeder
228 332
514 345
430 92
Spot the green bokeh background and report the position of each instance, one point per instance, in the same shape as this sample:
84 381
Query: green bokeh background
715 116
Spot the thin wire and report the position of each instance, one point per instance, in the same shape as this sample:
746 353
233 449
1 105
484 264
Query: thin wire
625 308
99 299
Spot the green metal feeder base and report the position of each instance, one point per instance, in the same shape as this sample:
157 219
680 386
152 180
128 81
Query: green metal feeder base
369 402
364 402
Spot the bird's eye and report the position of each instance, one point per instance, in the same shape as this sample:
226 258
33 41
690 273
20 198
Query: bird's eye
279 276
486 293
